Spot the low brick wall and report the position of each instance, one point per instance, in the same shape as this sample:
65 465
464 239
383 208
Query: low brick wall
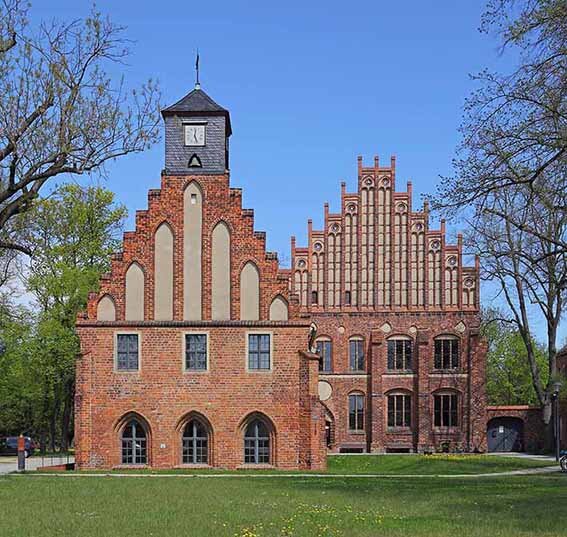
534 432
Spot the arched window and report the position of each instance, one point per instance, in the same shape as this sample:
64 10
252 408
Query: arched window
163 273
220 273
134 443
195 443
446 352
257 443
356 412
446 409
249 292
356 353
399 409
400 353
106 309
134 293
324 348
279 309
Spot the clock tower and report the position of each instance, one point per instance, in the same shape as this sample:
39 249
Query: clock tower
196 135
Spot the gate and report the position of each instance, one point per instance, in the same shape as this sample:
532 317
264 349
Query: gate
505 434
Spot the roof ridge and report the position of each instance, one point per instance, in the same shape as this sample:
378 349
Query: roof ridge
195 101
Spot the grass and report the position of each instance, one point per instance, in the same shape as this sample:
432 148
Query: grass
428 465
299 507
382 465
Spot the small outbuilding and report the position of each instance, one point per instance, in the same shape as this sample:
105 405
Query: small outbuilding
514 428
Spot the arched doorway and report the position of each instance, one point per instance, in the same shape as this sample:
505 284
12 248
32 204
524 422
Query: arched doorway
505 434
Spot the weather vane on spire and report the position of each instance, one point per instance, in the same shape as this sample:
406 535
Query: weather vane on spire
197 83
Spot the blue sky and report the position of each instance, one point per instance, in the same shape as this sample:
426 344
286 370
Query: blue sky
309 85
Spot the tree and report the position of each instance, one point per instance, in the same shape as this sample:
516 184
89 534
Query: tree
17 386
61 113
511 176
530 275
74 232
509 380
514 131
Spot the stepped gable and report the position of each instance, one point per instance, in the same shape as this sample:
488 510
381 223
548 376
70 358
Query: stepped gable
380 254
166 206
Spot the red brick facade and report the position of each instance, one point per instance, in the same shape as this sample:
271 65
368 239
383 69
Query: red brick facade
161 394
376 273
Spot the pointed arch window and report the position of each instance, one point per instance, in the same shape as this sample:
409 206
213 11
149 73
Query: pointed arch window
195 443
257 443
134 443
195 161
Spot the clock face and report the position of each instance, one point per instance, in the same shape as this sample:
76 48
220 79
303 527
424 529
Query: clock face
195 135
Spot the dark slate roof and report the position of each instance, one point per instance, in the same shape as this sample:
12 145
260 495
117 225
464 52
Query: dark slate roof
197 102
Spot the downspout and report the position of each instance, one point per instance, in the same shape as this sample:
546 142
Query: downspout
469 393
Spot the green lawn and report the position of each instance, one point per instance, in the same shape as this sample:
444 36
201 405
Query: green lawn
429 465
265 507
386 465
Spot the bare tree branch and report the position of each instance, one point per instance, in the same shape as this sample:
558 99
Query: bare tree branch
61 114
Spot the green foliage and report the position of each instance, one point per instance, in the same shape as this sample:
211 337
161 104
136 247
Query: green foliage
510 176
509 380
74 232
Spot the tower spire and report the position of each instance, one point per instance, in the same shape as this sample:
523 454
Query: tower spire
197 83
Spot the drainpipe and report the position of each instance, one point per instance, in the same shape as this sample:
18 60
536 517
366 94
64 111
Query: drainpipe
469 392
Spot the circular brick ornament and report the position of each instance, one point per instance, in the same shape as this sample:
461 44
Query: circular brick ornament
325 390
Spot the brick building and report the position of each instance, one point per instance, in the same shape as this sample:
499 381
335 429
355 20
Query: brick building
403 366
195 349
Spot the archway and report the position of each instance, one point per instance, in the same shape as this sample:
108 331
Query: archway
505 434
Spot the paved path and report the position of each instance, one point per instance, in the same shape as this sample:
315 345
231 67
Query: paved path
527 471
10 464
516 455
